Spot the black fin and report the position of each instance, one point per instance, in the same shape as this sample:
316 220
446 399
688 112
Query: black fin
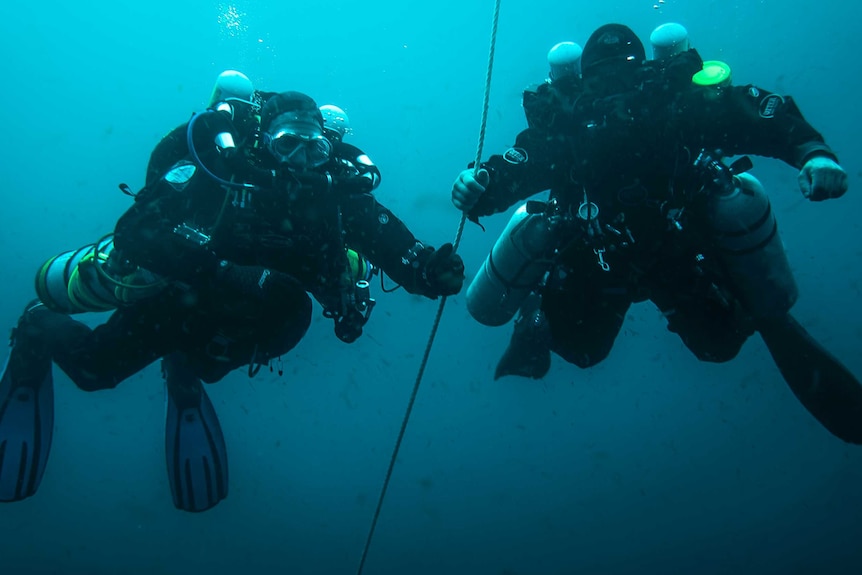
823 384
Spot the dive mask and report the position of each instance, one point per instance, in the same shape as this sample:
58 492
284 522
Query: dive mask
297 141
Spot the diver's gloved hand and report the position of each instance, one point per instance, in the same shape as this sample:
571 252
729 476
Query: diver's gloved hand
443 272
821 178
468 188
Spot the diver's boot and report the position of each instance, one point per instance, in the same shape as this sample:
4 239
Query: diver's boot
825 387
194 444
529 350
26 408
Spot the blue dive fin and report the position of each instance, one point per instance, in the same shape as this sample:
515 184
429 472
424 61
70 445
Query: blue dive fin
26 429
194 443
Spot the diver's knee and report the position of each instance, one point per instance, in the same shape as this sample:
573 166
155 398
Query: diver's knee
582 357
92 382
716 351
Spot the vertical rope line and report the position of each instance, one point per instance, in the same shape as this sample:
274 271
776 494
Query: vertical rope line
440 308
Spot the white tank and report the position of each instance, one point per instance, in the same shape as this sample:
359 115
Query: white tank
513 269
564 59
231 84
668 40
335 121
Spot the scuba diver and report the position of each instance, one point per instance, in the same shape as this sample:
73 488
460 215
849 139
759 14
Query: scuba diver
529 352
234 94
642 206
209 269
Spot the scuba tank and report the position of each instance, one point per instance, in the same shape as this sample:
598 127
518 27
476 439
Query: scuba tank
541 102
671 39
231 85
82 280
743 229
517 263
68 282
564 59
336 123
668 40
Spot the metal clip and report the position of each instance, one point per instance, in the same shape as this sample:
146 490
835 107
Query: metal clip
600 253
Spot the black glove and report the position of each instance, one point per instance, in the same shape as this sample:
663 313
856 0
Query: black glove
443 272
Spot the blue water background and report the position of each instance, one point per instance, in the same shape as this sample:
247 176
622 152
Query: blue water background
650 463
